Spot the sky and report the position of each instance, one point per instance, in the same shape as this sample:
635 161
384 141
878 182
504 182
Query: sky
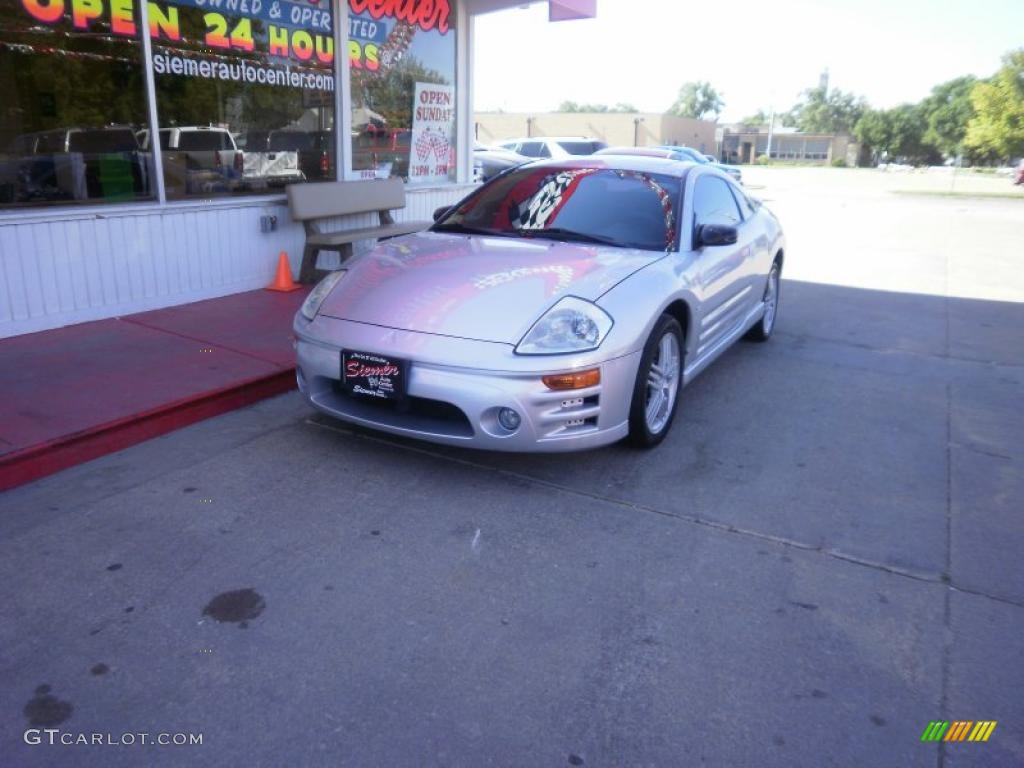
756 53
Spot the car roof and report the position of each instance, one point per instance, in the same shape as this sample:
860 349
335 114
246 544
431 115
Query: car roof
638 151
550 138
634 162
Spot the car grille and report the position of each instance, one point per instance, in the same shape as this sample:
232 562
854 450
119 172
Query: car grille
418 414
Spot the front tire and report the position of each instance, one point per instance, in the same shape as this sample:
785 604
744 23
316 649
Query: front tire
762 330
658 379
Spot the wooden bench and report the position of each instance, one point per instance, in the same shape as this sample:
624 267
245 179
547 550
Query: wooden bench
313 203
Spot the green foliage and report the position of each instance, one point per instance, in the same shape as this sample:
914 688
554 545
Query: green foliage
948 110
698 100
874 131
758 118
839 162
997 130
390 92
897 134
826 112
572 106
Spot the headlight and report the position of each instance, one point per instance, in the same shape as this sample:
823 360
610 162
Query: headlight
316 297
572 325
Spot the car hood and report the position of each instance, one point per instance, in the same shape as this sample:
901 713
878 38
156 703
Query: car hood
474 287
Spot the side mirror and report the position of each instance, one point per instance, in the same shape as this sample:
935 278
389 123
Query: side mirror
441 212
717 234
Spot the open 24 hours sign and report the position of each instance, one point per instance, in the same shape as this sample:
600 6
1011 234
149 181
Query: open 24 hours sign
274 42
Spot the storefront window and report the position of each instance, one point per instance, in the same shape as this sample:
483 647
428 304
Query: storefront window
72 103
244 93
402 60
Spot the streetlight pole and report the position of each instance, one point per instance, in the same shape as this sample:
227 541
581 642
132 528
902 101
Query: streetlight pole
636 130
771 128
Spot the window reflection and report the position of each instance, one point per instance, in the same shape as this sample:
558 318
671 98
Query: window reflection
245 102
73 100
403 77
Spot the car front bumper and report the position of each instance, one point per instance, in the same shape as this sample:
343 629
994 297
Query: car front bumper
455 388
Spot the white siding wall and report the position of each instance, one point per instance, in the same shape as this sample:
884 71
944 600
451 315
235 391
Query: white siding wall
87 266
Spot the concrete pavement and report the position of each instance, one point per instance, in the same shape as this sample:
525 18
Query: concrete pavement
823 556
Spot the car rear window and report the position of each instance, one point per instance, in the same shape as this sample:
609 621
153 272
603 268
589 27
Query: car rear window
611 206
102 141
533 149
582 147
203 141
290 141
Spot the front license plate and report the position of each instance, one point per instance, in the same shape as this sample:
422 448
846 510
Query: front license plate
375 376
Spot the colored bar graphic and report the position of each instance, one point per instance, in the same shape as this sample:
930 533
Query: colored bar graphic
959 730
982 730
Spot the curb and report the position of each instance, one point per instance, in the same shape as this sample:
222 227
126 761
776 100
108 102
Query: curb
44 459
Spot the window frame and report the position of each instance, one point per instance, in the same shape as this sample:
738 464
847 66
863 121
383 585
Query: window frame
710 177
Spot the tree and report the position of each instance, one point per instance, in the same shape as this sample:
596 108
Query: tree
948 110
572 106
874 131
996 132
758 118
390 92
898 133
698 100
908 129
824 112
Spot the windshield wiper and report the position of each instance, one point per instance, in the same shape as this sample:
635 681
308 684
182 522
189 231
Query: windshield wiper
557 233
462 229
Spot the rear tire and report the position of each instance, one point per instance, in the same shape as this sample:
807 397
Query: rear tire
658 380
762 329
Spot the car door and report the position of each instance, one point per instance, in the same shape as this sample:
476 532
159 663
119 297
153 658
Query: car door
755 234
722 270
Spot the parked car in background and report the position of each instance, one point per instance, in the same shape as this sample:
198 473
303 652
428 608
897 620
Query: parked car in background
198 159
74 164
699 157
488 162
384 151
560 306
274 158
1018 177
557 147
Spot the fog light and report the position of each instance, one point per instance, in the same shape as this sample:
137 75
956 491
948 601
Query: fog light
509 419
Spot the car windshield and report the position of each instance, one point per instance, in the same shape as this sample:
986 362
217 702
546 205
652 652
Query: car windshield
692 154
601 205
582 147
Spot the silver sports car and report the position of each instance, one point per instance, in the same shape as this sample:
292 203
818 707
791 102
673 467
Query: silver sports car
559 307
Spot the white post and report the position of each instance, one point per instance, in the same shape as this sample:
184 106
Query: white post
154 129
342 95
771 127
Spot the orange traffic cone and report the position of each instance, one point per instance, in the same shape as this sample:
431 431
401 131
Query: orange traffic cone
283 281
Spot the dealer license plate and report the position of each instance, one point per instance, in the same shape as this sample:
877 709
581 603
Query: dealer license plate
373 376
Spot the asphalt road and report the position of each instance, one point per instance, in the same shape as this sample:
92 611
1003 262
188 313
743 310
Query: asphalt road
824 556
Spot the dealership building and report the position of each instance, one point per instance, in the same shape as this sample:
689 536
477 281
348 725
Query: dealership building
100 218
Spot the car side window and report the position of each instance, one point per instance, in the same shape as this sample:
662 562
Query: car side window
746 207
713 202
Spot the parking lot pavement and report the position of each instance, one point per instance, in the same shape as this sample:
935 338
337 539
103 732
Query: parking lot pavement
822 558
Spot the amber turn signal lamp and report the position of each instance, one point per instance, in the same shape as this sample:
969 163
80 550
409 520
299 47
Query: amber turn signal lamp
578 380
